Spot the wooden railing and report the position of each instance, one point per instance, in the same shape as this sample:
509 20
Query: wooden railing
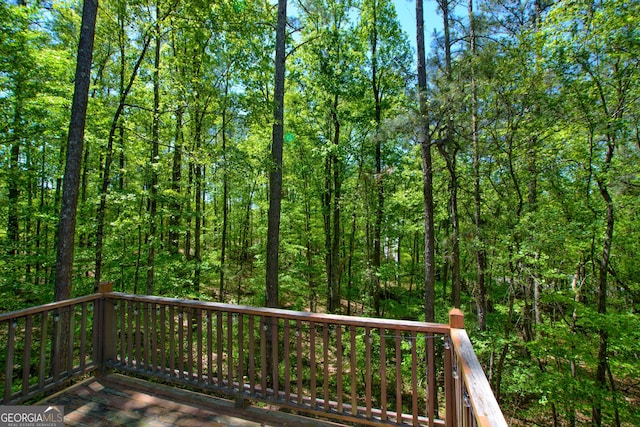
45 347
472 402
354 369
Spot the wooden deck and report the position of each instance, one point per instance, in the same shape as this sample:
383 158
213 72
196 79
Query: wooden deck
117 400
356 370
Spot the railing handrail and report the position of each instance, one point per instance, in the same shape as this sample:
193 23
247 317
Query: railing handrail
47 307
400 325
485 407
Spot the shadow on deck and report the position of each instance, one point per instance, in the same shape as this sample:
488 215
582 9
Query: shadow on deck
117 400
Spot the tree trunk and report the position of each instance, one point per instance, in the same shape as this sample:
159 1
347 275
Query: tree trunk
481 255
41 249
272 298
377 228
197 197
13 225
225 193
352 245
71 187
449 148
275 173
424 139
13 178
601 374
152 202
176 176
187 237
334 296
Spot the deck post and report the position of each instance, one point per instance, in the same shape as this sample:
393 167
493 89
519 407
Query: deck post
456 319
452 399
104 328
241 403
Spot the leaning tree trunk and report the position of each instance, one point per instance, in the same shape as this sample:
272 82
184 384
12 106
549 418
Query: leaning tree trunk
71 186
601 373
106 171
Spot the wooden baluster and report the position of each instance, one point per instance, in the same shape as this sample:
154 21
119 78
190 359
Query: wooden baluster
130 333
457 388
189 373
312 361
449 392
219 347
300 368
26 359
71 341
383 374
44 338
172 341
154 337
469 418
367 380
263 355
200 349
57 351
398 378
354 390
431 379
252 356
240 372
287 363
339 367
325 362
138 321
8 371
122 329
209 348
163 339
146 336
83 338
275 374
180 325
230 351
414 378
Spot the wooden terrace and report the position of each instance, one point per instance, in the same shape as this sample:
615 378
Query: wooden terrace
160 361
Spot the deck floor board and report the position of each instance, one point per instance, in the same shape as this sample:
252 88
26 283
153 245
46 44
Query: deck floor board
117 400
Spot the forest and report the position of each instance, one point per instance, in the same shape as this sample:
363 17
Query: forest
496 169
